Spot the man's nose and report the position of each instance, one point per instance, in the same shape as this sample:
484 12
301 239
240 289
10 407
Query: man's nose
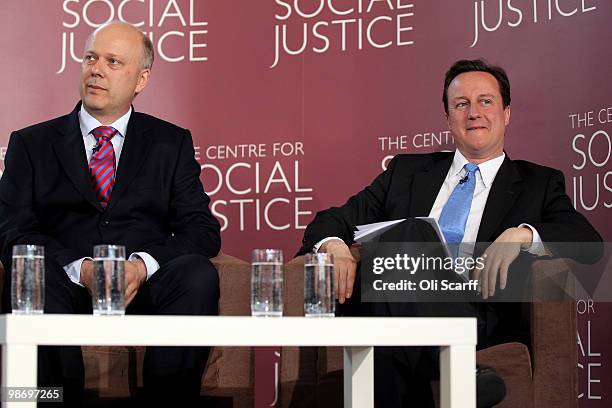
474 111
96 69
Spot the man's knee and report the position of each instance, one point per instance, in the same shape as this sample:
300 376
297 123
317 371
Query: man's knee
61 294
196 274
411 230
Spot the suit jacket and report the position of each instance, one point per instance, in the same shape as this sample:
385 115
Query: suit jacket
158 204
522 192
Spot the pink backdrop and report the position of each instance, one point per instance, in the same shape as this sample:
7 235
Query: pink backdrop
282 136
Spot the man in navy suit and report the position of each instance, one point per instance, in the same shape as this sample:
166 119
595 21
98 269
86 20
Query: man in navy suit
519 205
105 174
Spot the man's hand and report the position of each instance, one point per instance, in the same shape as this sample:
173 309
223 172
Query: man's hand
498 257
87 274
345 266
135 276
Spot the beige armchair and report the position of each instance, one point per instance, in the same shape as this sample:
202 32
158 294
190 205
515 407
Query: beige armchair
546 377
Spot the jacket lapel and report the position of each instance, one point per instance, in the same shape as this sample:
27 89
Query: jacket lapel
70 151
133 155
504 192
426 185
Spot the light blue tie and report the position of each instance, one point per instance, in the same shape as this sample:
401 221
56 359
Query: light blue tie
456 210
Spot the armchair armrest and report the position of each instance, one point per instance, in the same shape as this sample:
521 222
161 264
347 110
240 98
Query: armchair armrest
553 334
234 285
230 369
294 287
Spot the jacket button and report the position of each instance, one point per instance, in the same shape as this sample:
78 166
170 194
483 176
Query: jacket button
105 222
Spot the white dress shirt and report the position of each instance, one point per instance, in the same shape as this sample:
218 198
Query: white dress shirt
484 180
88 123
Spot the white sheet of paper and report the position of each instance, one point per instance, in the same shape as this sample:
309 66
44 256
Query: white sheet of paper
367 232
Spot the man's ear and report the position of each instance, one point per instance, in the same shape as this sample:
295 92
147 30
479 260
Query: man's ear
143 80
507 115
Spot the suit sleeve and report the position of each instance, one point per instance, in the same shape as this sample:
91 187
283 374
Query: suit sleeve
561 225
193 228
365 207
19 223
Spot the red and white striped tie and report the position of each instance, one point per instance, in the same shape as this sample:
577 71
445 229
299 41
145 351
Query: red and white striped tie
102 164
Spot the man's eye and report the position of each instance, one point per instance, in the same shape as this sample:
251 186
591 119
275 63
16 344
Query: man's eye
89 58
461 105
113 61
487 101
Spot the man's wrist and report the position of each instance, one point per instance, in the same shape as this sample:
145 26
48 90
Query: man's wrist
526 237
150 264
327 245
318 245
141 267
86 273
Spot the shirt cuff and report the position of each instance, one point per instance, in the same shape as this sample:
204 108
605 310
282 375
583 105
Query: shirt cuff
537 246
315 248
151 264
73 270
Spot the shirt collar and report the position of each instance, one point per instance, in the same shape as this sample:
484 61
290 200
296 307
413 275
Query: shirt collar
89 123
488 170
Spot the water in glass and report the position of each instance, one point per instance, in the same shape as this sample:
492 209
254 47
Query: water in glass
28 281
267 284
319 294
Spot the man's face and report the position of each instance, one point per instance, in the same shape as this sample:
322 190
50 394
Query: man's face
111 73
476 115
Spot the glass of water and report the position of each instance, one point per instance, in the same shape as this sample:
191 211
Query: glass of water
267 283
319 293
108 280
28 279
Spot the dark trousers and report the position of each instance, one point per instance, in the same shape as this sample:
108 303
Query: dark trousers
187 285
402 375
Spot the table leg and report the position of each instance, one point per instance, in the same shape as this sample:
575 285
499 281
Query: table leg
359 377
458 376
19 365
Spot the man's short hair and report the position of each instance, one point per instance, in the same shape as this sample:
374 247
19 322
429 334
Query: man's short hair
463 66
148 55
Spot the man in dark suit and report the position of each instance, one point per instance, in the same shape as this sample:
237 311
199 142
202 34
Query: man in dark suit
517 205
105 174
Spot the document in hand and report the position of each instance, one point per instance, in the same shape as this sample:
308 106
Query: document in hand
367 232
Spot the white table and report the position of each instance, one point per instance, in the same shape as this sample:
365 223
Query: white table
21 334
